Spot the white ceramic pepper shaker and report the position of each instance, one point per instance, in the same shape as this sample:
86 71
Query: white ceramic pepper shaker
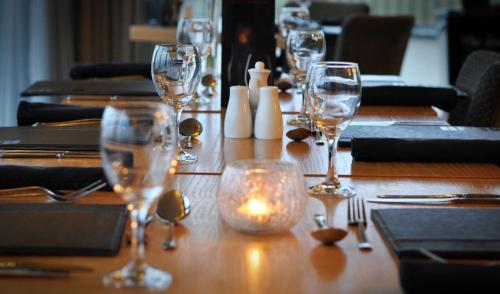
238 120
268 120
258 79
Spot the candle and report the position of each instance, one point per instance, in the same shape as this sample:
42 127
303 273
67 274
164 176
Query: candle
262 196
257 209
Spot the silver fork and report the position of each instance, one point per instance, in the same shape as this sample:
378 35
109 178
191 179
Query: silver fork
53 194
356 215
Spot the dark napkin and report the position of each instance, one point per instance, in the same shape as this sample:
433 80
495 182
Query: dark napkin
29 113
424 276
426 143
64 178
92 87
50 138
401 94
447 232
109 70
61 229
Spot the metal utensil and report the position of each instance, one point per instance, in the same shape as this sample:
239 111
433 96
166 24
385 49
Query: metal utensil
436 201
77 122
190 128
356 215
326 235
53 194
30 269
209 82
32 153
441 196
172 207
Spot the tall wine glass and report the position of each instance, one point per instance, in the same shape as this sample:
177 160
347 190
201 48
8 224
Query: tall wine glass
175 70
303 47
291 18
198 32
333 91
137 150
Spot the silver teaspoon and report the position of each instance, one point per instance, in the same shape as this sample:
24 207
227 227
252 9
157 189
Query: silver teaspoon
190 128
326 235
172 207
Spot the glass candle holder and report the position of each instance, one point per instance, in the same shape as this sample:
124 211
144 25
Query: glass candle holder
262 196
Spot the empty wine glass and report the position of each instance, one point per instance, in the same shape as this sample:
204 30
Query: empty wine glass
137 151
198 32
303 47
175 70
333 91
291 18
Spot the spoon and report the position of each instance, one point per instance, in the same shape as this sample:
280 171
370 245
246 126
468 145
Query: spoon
172 207
209 82
190 127
298 134
326 235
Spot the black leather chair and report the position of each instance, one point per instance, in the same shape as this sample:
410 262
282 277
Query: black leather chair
110 70
479 79
334 13
376 43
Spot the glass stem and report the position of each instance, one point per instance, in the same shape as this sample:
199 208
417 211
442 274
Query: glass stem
178 113
331 176
138 217
303 108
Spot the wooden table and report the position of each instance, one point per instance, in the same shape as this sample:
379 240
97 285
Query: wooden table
213 258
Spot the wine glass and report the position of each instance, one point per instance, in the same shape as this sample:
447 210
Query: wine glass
198 32
290 18
137 151
303 47
333 91
175 70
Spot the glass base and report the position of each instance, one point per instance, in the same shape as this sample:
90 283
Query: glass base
186 158
327 189
127 277
300 121
200 100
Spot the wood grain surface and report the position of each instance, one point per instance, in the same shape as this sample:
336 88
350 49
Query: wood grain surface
214 258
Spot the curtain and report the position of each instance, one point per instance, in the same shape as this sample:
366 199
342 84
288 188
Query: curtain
35 44
42 39
103 31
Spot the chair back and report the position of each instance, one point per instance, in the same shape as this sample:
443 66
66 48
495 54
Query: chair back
479 79
376 43
333 13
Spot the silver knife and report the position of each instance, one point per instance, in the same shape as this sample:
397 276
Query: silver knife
441 196
26 269
435 201
12 153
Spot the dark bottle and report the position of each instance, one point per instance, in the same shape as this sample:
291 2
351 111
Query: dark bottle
247 37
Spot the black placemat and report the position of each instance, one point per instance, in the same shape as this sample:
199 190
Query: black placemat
425 276
447 232
61 229
50 138
444 97
92 87
424 143
29 113
60 177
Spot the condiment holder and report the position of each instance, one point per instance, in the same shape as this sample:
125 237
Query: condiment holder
238 119
262 196
268 120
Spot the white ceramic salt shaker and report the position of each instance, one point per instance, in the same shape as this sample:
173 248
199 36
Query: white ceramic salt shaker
258 79
268 120
238 120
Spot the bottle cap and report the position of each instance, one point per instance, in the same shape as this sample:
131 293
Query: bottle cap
259 68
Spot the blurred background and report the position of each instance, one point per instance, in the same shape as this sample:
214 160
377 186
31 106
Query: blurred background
43 39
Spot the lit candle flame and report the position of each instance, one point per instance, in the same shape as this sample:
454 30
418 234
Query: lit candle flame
256 208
